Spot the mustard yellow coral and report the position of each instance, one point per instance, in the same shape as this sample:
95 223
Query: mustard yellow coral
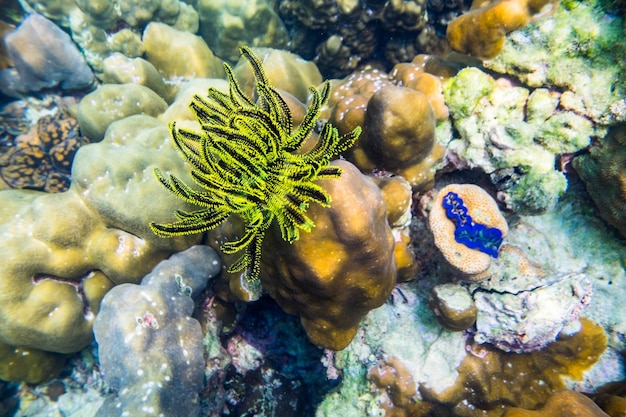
481 31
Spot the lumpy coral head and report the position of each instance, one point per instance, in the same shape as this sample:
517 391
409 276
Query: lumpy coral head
481 31
344 268
246 161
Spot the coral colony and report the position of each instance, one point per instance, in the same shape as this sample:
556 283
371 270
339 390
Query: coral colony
246 160
473 235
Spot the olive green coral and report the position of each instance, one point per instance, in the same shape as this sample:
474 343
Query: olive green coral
247 162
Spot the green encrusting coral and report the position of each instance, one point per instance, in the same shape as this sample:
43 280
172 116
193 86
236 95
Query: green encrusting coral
248 161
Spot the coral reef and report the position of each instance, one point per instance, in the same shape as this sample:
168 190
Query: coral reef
285 71
250 163
66 250
342 35
332 294
111 102
148 343
398 123
453 306
227 26
162 42
481 31
42 158
603 169
492 381
101 28
514 135
522 308
509 334
567 402
578 51
43 57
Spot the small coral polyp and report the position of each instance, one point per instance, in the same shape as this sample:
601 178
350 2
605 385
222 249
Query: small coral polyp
247 162
473 235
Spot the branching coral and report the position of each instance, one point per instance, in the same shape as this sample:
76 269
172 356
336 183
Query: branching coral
247 163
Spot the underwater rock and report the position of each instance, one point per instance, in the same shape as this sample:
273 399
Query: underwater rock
149 346
523 313
43 57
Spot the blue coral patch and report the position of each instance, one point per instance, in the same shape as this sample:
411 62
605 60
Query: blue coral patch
473 235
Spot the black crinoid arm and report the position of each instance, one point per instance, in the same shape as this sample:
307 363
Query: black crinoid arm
246 161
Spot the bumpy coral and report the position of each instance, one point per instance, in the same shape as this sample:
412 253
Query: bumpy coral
453 306
493 380
398 124
481 31
149 346
111 102
195 60
393 378
564 402
249 161
331 294
341 35
468 261
579 51
515 136
66 250
285 71
42 158
604 171
102 28
43 56
227 26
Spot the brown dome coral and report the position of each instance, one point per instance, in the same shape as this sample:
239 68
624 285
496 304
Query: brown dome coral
603 170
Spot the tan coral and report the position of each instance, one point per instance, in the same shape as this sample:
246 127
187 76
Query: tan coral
469 263
481 31
562 403
332 276
64 251
345 267
490 379
394 379
398 125
413 75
